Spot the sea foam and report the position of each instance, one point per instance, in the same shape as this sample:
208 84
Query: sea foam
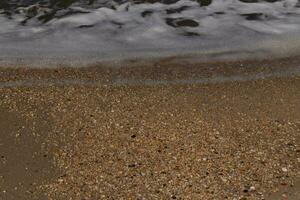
78 34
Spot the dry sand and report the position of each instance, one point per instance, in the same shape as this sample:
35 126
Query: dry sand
216 131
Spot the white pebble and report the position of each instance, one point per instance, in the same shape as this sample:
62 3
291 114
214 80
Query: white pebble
252 188
284 169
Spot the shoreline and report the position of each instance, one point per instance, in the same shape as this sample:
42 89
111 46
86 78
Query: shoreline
14 54
165 71
237 138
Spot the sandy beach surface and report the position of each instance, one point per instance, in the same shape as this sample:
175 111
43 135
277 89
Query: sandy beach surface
166 130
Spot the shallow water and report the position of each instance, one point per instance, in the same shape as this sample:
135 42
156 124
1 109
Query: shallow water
57 31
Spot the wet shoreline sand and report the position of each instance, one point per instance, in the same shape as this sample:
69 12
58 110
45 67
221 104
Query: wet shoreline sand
233 135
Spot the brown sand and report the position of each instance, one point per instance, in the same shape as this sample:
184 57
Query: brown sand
198 140
24 164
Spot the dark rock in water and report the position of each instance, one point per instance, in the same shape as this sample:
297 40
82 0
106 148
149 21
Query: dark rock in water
204 2
117 24
47 17
32 11
190 34
254 16
187 22
180 22
156 1
176 10
68 12
86 26
171 22
146 13
219 13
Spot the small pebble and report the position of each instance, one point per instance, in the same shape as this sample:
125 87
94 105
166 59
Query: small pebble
284 169
252 188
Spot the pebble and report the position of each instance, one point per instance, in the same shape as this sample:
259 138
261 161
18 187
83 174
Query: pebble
252 188
238 161
284 169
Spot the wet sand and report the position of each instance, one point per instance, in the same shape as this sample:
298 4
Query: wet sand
216 131
24 162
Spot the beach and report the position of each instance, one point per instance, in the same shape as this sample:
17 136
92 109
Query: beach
166 130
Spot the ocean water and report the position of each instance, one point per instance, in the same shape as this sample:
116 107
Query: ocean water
85 31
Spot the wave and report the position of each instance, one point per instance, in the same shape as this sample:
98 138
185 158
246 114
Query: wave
34 29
